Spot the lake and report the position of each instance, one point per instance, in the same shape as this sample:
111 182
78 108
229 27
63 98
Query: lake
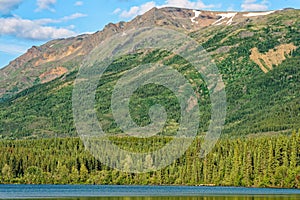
112 192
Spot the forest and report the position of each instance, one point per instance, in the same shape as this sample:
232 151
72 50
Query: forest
253 161
260 141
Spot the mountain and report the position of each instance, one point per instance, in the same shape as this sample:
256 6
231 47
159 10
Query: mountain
257 54
55 58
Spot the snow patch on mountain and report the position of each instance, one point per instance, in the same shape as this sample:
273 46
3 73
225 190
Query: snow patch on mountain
258 14
197 13
225 16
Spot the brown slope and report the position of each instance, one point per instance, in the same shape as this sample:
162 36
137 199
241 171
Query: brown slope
55 58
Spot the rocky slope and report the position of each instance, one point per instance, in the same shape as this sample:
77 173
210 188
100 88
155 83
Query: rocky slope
257 54
58 57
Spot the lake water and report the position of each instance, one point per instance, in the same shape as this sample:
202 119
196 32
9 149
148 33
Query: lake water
93 192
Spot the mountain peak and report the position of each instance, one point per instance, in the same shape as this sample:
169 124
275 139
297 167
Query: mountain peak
68 53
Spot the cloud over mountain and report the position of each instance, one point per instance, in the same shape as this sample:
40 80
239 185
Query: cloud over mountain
6 6
253 5
30 29
139 10
45 5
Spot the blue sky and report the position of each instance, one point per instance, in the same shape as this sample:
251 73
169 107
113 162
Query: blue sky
24 23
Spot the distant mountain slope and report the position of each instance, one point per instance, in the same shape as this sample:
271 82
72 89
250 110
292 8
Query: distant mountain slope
55 58
257 54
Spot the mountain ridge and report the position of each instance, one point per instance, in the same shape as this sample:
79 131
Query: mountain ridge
258 101
27 69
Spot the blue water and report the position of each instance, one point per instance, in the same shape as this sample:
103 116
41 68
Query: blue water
142 192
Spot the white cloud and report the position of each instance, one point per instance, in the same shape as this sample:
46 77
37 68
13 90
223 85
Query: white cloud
253 5
116 11
188 4
12 49
45 5
66 18
78 3
29 29
6 6
138 10
73 16
37 29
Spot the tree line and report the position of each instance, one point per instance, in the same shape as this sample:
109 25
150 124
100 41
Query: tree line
265 161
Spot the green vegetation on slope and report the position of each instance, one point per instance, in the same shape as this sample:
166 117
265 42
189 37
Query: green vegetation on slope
257 102
256 161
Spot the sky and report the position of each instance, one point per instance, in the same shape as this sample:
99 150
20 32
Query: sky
24 23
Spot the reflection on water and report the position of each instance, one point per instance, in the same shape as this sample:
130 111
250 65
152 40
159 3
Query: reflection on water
266 197
123 192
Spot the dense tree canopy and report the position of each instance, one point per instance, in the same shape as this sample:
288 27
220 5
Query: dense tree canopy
253 161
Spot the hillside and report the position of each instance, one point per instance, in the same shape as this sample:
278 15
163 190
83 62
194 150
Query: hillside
256 53
41 64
